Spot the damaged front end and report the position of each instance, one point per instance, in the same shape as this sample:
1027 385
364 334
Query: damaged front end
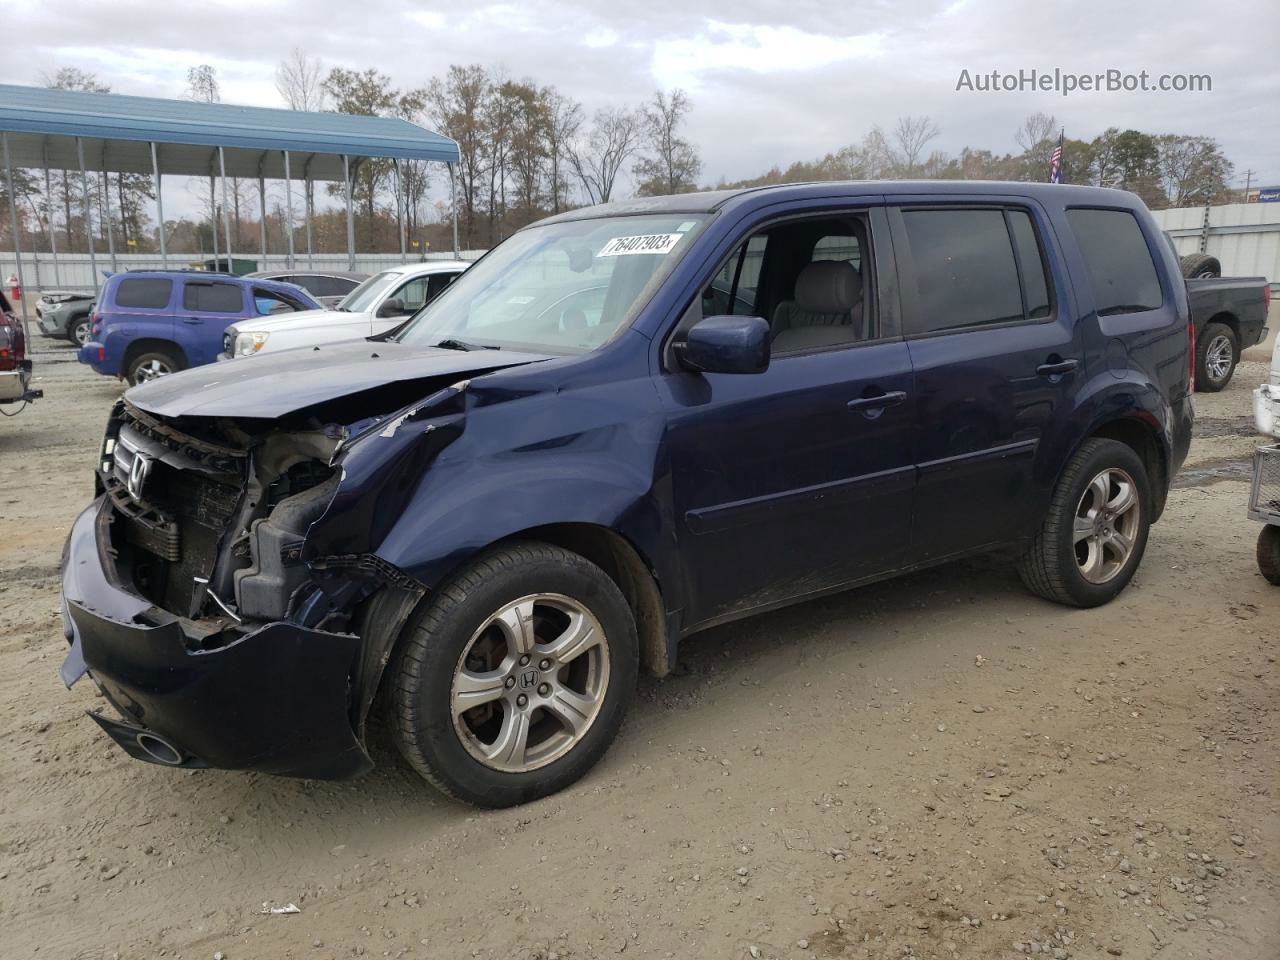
206 597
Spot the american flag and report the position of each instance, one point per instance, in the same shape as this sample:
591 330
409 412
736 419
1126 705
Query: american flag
1055 164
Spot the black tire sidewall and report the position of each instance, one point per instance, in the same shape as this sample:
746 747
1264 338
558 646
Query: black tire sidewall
440 643
1102 455
1211 332
1269 553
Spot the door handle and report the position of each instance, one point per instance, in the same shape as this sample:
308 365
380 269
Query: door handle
878 402
1057 368
193 320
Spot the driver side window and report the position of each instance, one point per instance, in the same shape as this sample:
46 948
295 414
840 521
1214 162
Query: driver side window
810 279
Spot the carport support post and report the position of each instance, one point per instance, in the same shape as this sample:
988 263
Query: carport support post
106 197
13 221
48 199
155 172
213 212
88 217
226 213
453 209
262 211
307 198
400 211
288 206
351 222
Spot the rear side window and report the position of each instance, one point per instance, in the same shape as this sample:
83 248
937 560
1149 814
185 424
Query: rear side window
965 271
327 286
150 293
1035 283
212 297
1121 270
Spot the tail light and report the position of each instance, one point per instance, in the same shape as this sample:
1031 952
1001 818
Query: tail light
102 354
1191 356
1266 296
95 319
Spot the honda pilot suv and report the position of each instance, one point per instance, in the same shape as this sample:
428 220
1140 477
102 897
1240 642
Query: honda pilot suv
623 425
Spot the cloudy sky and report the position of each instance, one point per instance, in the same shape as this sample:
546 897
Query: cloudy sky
771 81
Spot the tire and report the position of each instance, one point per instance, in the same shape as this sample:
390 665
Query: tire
446 745
1053 566
151 366
1217 353
1269 553
1197 266
80 330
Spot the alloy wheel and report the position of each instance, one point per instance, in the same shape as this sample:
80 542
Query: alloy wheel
1217 358
82 331
1105 529
530 683
151 370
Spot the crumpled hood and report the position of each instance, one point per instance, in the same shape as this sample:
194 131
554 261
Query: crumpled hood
274 384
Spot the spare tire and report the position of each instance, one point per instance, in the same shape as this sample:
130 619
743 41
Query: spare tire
1198 266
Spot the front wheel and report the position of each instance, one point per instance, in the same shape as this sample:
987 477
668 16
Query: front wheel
81 330
514 679
1095 532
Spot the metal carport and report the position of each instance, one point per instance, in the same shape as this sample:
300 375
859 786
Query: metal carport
43 128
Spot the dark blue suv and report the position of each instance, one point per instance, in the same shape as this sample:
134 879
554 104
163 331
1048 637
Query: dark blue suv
152 323
623 425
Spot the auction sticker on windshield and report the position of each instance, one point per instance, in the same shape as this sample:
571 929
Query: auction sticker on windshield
650 243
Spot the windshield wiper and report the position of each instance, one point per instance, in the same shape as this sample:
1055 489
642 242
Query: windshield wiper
453 344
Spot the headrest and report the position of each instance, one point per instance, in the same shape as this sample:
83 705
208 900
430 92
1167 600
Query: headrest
828 286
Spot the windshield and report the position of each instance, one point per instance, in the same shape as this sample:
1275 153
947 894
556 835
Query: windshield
560 288
363 296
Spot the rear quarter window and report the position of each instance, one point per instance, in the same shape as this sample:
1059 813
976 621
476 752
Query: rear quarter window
147 293
213 297
1121 271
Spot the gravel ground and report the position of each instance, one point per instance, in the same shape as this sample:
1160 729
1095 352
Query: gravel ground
940 766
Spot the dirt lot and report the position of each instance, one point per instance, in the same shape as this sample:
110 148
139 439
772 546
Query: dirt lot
942 766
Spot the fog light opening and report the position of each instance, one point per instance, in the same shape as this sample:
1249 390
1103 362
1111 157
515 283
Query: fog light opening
161 751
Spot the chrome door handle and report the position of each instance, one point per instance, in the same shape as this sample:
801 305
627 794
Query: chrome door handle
1057 369
879 401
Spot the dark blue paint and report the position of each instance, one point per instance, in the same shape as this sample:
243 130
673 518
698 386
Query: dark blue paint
726 344
193 336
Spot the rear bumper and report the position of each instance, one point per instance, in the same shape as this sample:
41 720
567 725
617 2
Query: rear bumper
94 355
1184 419
274 699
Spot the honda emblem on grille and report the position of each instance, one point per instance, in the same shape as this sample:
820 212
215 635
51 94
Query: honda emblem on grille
138 471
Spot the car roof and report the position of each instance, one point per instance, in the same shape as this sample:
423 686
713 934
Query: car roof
308 272
289 288
427 266
711 201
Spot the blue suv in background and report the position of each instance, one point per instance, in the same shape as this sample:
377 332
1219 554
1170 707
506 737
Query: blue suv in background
153 323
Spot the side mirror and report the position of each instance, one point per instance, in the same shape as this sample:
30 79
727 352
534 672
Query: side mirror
726 344
392 307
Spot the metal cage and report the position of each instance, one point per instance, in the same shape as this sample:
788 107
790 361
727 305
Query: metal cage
1264 493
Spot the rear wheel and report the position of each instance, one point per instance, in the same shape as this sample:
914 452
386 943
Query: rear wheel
152 365
1217 353
1095 532
515 678
81 330
1269 553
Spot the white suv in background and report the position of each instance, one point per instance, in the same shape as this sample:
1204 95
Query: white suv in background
382 302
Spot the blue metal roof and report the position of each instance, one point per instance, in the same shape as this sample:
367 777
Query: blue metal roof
117 128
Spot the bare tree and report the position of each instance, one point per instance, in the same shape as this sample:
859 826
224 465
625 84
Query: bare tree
564 118
674 164
599 158
202 84
1037 140
912 134
456 103
300 81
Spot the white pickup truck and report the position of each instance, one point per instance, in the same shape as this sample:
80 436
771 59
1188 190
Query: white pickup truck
382 302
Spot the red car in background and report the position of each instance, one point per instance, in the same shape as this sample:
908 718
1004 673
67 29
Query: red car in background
15 368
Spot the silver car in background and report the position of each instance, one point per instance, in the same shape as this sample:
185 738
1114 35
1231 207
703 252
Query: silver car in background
327 286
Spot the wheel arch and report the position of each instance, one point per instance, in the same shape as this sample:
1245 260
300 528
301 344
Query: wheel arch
624 564
140 346
1144 439
1228 320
